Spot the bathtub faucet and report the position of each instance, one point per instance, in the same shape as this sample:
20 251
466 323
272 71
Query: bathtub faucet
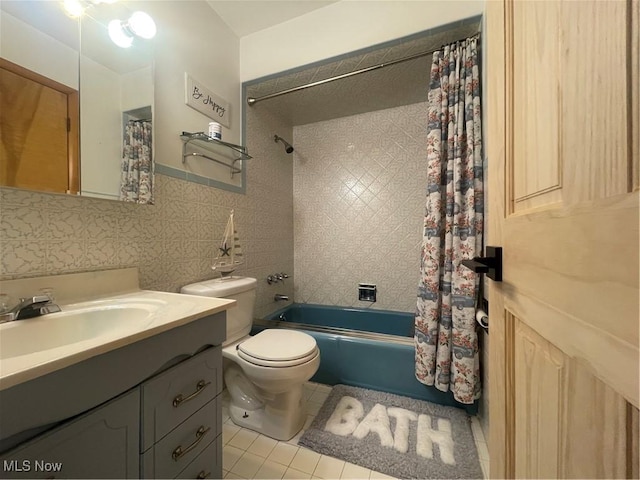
278 297
277 277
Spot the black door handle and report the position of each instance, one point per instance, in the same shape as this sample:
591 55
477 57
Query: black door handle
491 264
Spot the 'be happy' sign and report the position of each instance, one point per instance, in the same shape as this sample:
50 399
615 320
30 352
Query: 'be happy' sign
202 99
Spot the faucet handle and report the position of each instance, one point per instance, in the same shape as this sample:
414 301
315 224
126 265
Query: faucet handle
37 299
276 277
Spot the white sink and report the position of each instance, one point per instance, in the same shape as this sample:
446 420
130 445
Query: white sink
77 324
34 347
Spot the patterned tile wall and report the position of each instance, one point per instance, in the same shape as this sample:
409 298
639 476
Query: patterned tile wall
358 193
173 241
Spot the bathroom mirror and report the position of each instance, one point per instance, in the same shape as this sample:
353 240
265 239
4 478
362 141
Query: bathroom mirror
115 86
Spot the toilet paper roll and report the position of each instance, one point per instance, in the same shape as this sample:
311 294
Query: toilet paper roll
482 318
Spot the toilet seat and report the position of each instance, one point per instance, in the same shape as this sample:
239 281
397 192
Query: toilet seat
278 348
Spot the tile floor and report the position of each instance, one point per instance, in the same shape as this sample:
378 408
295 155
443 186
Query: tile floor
248 455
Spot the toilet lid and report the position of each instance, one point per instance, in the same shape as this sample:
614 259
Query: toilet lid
278 347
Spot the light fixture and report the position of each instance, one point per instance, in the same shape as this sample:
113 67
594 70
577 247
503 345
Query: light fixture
73 7
118 35
140 25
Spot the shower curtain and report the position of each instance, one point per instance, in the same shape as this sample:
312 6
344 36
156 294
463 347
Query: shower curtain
136 176
445 336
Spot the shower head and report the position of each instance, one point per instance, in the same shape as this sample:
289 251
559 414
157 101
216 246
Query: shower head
287 146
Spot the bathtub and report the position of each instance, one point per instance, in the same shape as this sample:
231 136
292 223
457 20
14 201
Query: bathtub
360 347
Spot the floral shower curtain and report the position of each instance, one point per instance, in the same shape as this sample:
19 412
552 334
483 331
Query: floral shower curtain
136 177
445 336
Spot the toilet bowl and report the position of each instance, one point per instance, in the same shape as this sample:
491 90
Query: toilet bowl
272 402
264 373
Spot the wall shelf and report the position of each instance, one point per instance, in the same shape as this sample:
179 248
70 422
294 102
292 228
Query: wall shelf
224 153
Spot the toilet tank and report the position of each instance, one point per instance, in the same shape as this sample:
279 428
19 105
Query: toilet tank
240 289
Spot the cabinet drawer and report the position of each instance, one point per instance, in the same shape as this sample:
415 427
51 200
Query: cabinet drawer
101 444
206 465
173 396
175 451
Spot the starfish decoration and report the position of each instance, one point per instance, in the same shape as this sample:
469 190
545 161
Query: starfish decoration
225 250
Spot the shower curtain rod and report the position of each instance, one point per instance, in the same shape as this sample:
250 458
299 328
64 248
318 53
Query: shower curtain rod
252 100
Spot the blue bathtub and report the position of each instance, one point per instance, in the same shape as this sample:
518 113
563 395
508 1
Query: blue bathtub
364 348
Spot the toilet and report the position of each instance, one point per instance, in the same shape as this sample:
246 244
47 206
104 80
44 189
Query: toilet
264 373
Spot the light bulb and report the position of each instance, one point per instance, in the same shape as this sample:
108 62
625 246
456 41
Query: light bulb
73 7
142 25
118 35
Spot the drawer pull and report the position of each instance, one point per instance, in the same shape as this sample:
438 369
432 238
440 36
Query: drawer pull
201 385
203 474
179 452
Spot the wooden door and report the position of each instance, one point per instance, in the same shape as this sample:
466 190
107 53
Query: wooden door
38 132
562 146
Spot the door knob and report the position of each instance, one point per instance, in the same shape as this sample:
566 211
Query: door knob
491 264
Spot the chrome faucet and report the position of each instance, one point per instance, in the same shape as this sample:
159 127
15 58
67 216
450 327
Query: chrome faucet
277 277
29 307
279 297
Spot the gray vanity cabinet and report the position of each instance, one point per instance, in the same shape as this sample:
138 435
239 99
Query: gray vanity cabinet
102 443
173 396
186 444
181 412
167 424
206 465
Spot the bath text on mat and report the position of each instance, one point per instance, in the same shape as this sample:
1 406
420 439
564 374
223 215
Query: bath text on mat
346 420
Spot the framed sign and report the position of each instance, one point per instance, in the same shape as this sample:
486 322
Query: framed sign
200 98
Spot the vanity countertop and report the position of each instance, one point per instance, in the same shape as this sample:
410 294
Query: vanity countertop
35 347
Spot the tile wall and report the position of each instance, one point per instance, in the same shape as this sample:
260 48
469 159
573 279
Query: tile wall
172 242
358 195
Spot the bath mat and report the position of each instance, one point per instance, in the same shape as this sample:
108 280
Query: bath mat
399 436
